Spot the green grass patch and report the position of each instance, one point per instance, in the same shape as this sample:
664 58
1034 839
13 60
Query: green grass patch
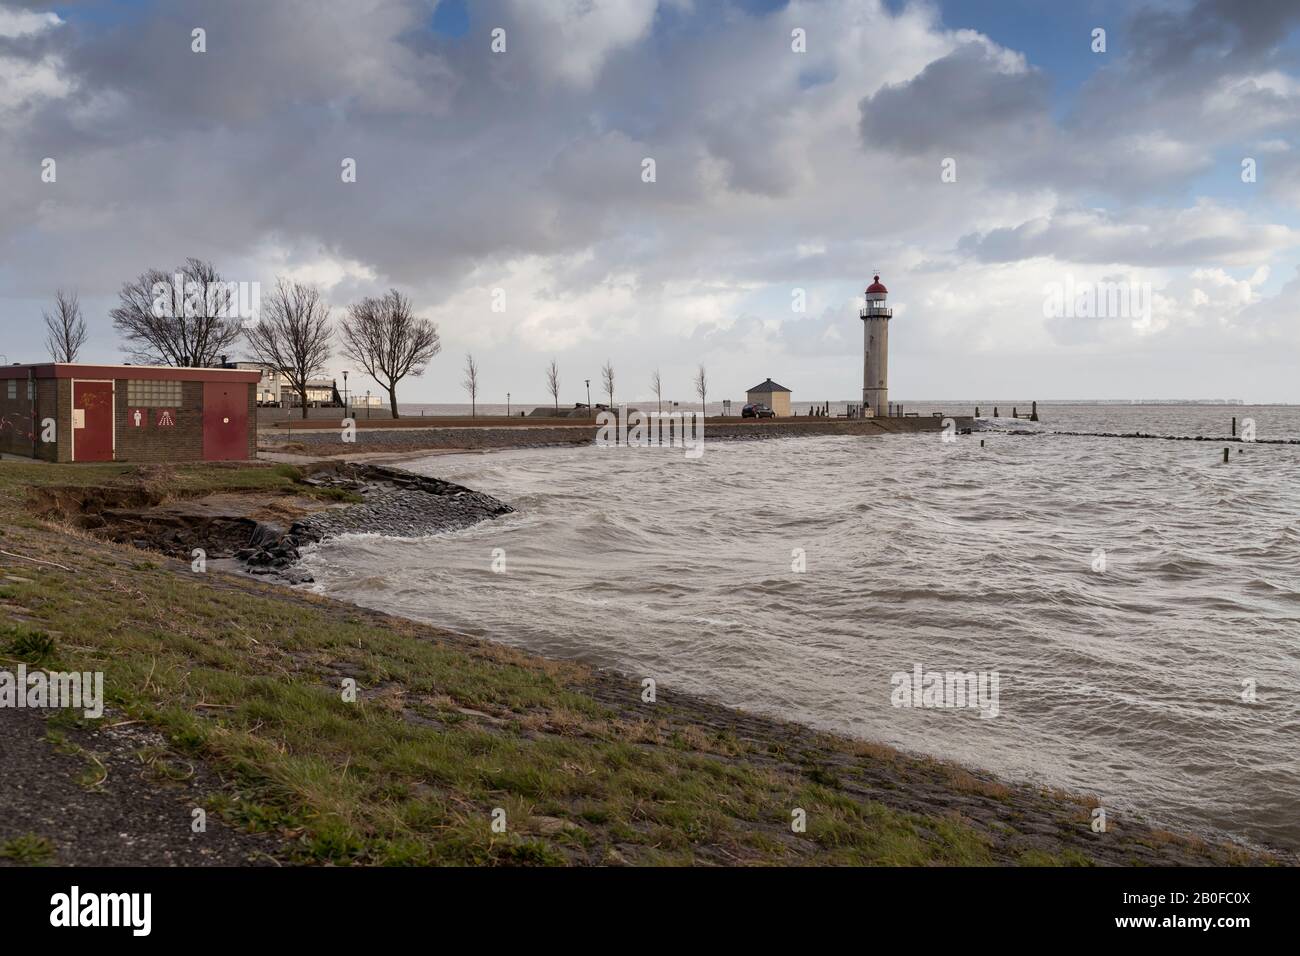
28 850
27 645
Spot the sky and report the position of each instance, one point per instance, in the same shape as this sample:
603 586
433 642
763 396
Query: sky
980 156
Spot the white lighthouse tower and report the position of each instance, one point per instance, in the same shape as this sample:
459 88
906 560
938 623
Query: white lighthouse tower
875 317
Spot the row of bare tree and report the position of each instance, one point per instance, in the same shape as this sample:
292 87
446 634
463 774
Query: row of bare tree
382 335
607 380
185 319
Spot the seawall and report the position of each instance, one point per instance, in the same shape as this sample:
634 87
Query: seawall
406 436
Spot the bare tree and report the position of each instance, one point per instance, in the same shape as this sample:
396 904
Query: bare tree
471 384
385 337
293 335
184 319
657 386
702 389
553 382
65 329
607 376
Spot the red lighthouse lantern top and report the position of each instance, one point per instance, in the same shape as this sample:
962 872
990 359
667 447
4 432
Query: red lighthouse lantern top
876 286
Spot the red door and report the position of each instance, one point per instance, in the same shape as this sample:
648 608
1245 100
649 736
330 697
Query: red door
92 421
225 421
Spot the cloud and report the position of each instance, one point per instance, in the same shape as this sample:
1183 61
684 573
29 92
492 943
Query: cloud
1272 319
29 72
22 23
267 60
24 83
571 41
775 170
1204 233
979 97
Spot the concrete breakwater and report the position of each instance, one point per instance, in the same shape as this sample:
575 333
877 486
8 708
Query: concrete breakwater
488 436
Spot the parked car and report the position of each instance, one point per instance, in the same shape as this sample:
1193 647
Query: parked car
757 410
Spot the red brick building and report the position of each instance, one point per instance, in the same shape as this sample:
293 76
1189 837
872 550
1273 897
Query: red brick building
146 413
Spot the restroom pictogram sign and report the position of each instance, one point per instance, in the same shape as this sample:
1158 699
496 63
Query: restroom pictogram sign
137 417
166 418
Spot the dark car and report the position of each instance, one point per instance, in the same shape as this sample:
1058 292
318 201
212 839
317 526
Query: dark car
757 410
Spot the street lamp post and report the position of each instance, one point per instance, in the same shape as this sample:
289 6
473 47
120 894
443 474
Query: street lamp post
367 403
507 404
588 381
346 406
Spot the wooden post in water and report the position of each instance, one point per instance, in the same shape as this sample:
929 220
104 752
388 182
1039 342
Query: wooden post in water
1225 456
1033 414
1234 426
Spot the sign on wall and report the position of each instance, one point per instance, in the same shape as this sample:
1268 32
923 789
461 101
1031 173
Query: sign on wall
166 418
137 417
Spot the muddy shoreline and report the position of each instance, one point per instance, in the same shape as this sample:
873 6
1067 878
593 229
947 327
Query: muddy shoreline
259 535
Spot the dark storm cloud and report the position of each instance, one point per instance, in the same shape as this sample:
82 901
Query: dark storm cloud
1176 86
971 99
1212 33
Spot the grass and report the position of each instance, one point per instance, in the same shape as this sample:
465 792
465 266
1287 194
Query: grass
18 477
94 773
441 736
28 850
26 645
19 480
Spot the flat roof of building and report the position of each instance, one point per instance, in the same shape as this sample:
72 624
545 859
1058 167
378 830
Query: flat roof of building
166 373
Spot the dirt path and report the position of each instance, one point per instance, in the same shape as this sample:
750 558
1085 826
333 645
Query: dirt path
115 796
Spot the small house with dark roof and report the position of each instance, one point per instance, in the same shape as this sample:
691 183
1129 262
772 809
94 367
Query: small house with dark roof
774 396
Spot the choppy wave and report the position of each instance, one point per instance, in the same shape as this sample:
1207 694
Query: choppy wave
1128 593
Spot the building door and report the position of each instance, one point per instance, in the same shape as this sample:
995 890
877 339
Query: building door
92 421
225 421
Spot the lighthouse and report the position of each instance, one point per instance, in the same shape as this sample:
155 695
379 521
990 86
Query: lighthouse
875 317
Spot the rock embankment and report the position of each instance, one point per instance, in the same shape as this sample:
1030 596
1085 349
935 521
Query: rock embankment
393 502
397 503
264 536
